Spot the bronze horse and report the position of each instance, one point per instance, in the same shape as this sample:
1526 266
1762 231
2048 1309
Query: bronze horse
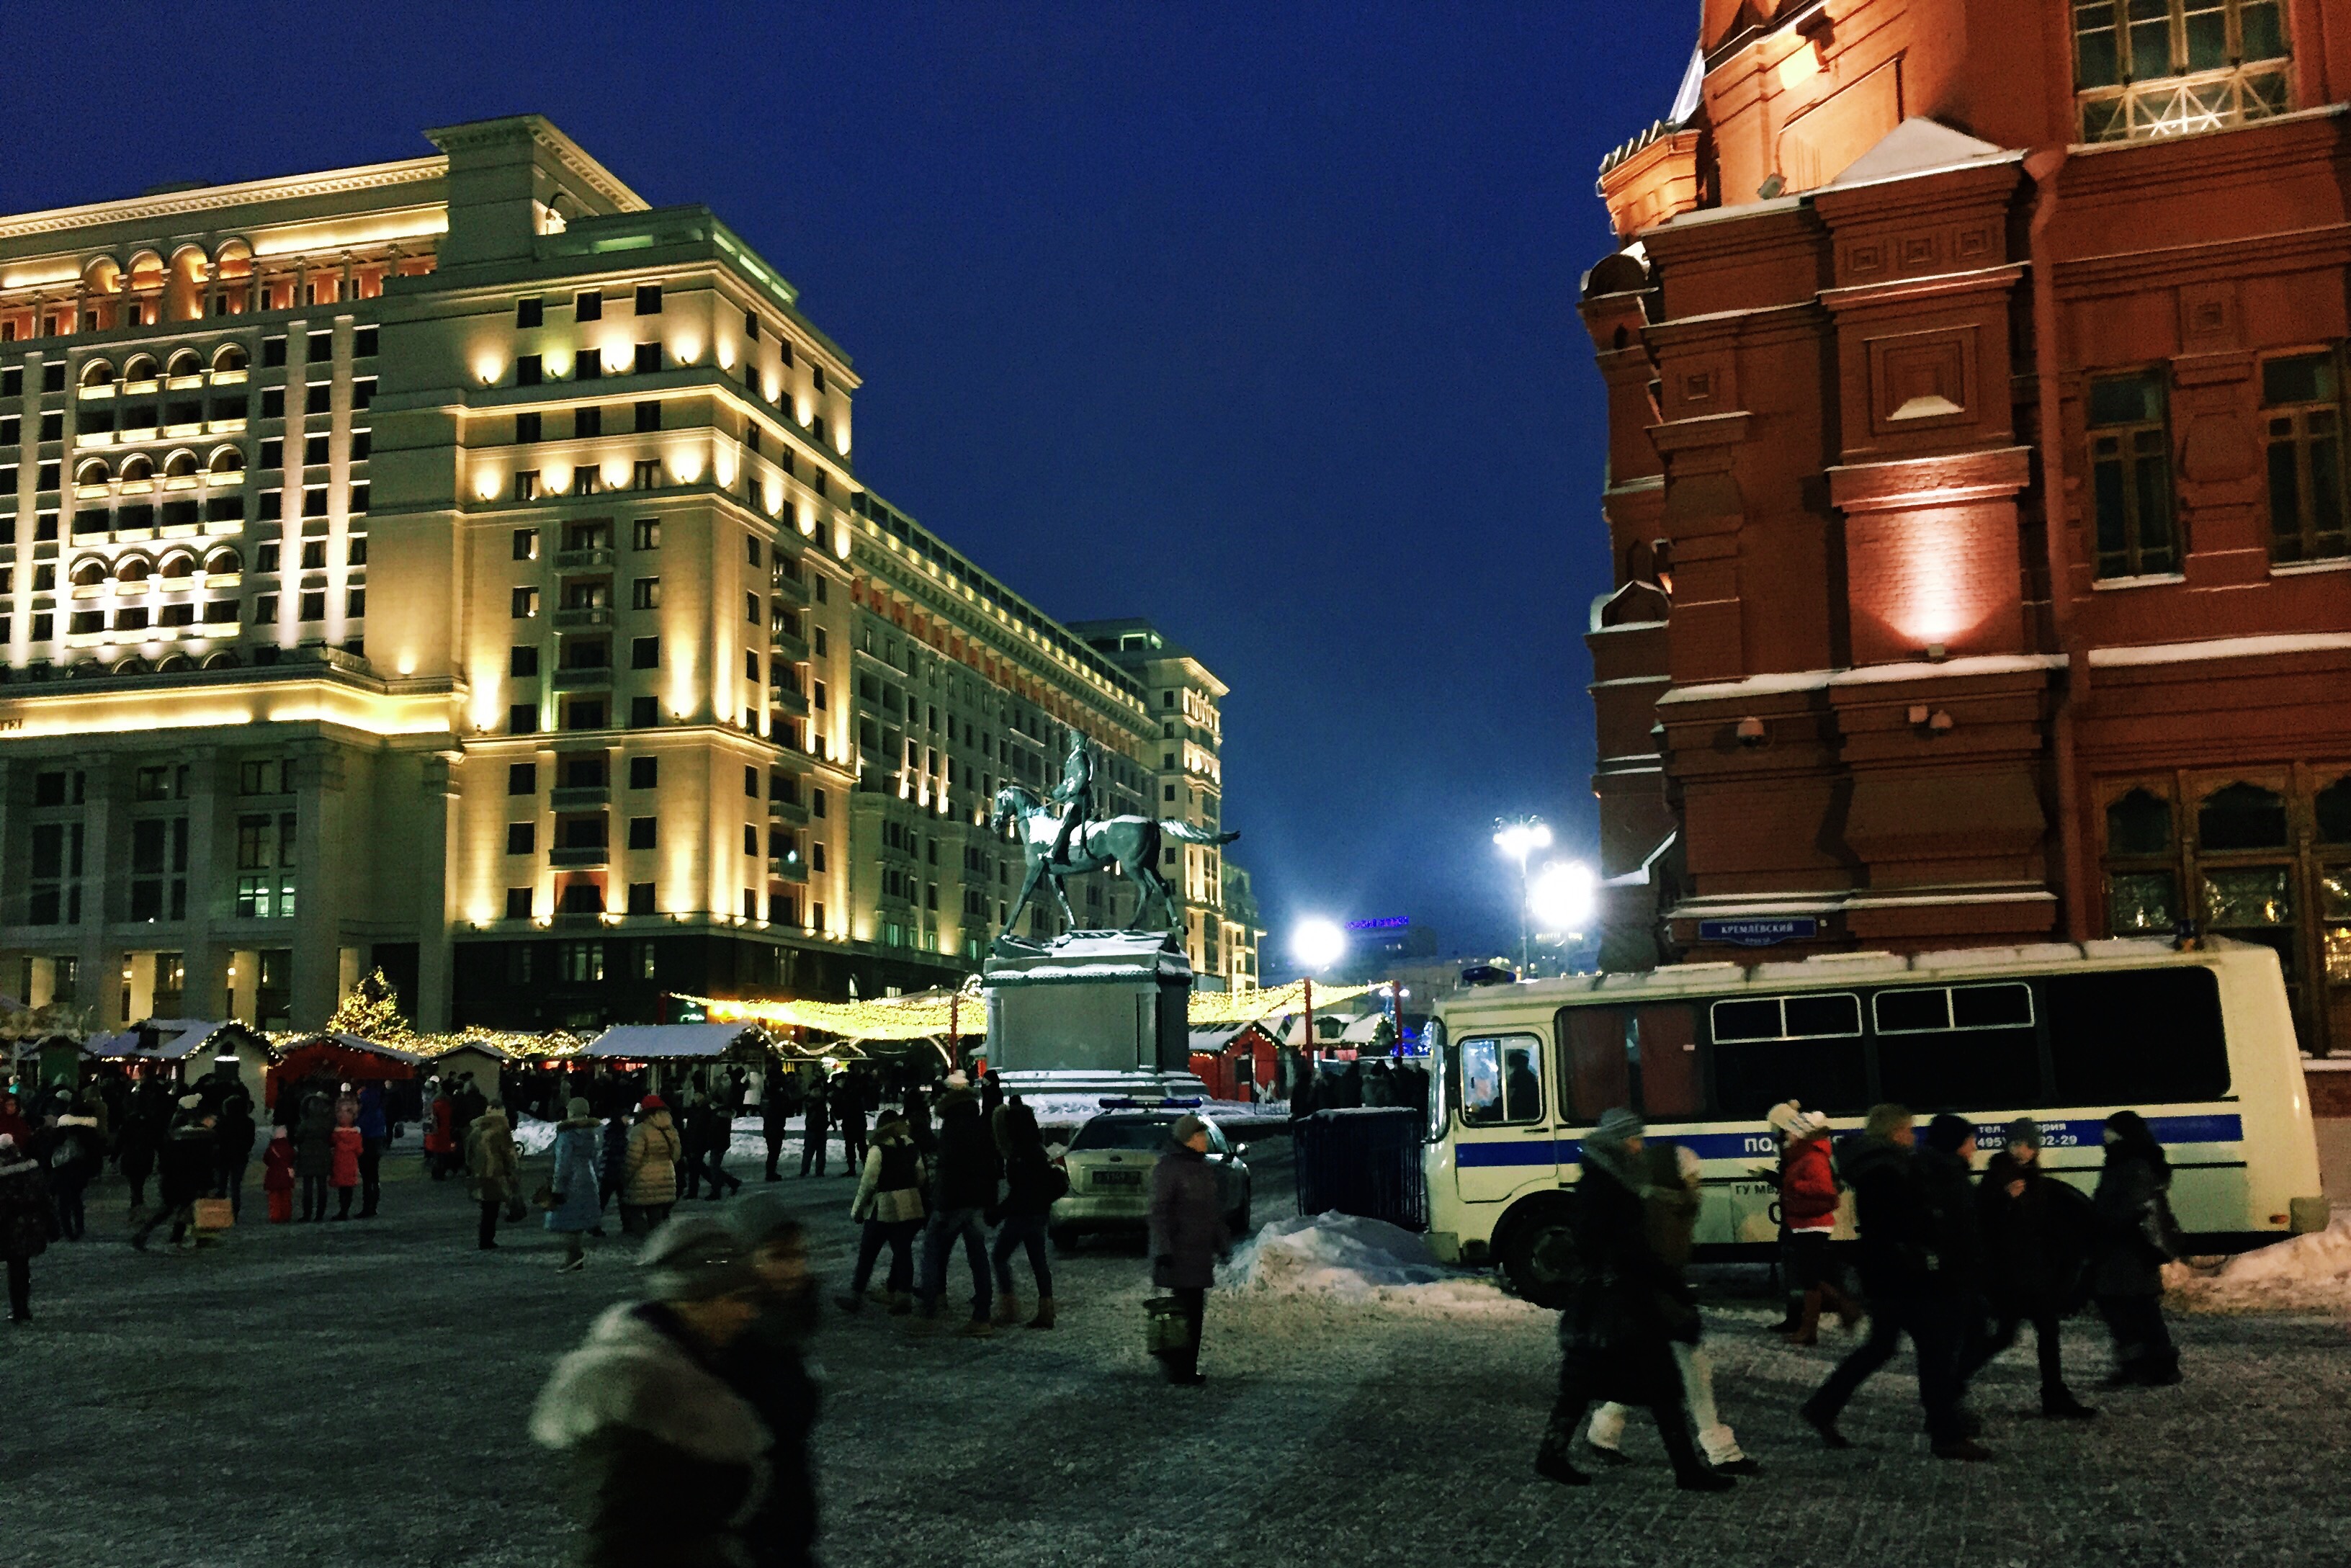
1130 844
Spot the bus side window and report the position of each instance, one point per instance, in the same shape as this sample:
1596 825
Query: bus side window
1666 1044
1481 1082
1595 1078
1501 1080
2138 1037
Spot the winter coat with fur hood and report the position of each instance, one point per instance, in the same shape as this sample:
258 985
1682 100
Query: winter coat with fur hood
668 1462
889 1188
491 1158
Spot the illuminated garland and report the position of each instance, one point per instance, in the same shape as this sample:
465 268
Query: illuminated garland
933 1014
1248 1006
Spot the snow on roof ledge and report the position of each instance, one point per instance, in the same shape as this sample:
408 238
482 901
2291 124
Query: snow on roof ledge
1919 146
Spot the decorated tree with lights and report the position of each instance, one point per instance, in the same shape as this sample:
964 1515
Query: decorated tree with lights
371 1012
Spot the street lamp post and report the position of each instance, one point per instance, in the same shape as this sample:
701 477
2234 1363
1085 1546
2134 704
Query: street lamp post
1519 837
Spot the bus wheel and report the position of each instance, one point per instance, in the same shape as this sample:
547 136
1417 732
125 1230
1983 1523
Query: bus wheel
1537 1258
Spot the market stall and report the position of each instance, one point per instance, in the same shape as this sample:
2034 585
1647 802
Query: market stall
188 1048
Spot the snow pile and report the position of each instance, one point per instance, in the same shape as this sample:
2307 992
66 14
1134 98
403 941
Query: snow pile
1346 1259
1073 1110
533 1136
2309 1272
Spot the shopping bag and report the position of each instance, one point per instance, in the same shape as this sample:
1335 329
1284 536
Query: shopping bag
215 1214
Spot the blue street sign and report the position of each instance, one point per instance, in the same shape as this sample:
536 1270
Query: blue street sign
1760 932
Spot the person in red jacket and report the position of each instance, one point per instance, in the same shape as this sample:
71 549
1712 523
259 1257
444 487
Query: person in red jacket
346 1143
440 1138
1808 1200
277 1177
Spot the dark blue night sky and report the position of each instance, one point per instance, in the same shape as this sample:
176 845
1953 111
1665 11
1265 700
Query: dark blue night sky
1260 325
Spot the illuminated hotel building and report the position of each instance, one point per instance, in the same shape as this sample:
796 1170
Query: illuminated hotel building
459 566
1975 485
1182 695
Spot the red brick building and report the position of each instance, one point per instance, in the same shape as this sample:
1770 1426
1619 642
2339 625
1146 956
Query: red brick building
1976 485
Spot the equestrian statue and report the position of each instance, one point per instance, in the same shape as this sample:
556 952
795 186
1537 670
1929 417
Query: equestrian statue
1061 838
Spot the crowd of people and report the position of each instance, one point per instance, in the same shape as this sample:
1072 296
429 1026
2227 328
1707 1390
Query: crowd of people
1954 1260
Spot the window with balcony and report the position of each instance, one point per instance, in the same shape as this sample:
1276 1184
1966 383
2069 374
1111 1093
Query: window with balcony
2131 474
2166 67
2302 413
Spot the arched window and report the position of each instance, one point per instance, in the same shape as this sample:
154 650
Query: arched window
179 464
184 294
176 565
132 569
138 465
89 572
224 562
2241 816
227 460
2332 807
229 357
140 367
185 362
2139 824
102 275
175 665
223 660
97 373
133 665
93 472
146 270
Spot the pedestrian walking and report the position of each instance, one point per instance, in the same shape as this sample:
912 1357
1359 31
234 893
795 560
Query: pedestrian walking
145 1117
440 1130
1031 1185
1187 1236
2036 1231
775 1109
1947 1173
1670 1201
1809 1196
232 1134
494 1164
77 1150
816 1109
668 1461
314 1154
277 1177
184 1172
849 1113
27 1224
769 1367
375 1133
968 1173
694 1143
2137 1236
649 1172
1630 1304
344 1178
1901 1275
720 1134
579 1206
611 1168
889 1206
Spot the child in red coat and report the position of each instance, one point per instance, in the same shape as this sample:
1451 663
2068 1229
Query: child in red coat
345 1143
1809 1195
277 1177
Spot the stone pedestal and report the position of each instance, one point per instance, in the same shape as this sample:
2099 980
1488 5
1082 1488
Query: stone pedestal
1091 1002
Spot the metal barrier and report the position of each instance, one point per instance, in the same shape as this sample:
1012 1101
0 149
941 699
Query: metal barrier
1364 1162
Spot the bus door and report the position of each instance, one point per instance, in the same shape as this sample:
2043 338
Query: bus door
1504 1143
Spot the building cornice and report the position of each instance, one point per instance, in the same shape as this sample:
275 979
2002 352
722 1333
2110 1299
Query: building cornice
215 198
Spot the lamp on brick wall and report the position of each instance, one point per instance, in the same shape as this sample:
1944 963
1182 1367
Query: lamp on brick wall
1751 732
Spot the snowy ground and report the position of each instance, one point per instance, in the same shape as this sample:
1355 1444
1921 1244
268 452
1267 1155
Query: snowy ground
339 1394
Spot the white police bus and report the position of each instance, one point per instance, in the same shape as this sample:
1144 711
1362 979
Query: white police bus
2200 1042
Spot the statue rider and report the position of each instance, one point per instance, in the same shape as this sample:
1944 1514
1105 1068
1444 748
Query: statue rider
1074 795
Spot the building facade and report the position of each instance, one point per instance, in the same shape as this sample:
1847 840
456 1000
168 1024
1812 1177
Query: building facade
1975 485
459 566
1183 699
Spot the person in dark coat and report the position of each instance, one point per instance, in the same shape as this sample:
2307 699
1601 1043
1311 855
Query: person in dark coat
1630 1305
1031 1185
668 1461
848 1114
774 1109
2035 1226
2137 1236
1902 1275
612 1169
694 1140
234 1131
1946 1173
184 1174
27 1224
1187 1236
76 1153
817 1109
718 1138
144 1119
579 1207
891 1207
766 1365
314 1153
375 1132
968 1170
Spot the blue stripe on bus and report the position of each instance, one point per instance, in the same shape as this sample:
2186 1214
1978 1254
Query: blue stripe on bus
2213 1128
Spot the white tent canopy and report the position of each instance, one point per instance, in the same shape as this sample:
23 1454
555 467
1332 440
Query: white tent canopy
671 1041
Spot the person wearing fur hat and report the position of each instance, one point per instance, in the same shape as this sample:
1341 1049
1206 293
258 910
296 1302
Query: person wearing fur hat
28 1225
578 1208
2137 1236
1808 1208
494 1164
649 1170
1629 1307
1187 1238
968 1172
1909 1292
890 1204
2034 1229
1031 1185
669 1462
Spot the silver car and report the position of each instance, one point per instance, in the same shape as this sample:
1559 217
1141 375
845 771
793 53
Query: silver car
1109 1167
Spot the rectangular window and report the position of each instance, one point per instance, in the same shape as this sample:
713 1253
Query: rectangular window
2147 1037
1966 1048
1805 1047
529 312
522 718
526 603
649 298
522 778
519 908
641 832
588 422
522 838
2303 411
649 416
644 652
645 534
2130 478
1502 1080
751 608
649 359
644 593
587 367
644 712
2159 68
526 428
526 544
363 343
648 474
640 902
587 306
522 660
529 369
